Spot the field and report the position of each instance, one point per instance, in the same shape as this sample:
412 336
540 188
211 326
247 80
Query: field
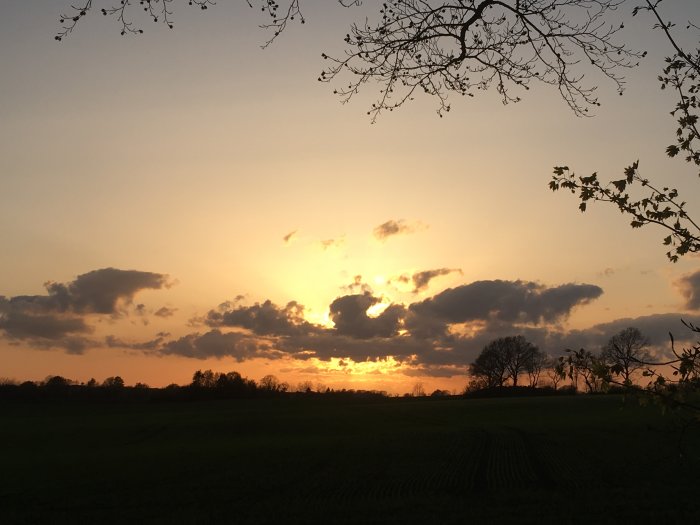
539 460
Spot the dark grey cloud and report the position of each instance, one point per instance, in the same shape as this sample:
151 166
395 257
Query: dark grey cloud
18 325
690 288
99 291
59 319
329 345
421 280
164 311
112 341
511 301
655 327
349 315
262 319
219 344
393 227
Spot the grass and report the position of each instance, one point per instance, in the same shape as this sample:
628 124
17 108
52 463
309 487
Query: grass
547 460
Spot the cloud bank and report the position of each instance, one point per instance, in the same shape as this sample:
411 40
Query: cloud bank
437 336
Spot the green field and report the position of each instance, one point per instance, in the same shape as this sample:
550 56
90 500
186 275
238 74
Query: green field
576 459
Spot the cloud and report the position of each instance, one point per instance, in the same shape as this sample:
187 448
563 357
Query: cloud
438 337
332 243
218 344
349 314
511 301
394 227
18 325
165 312
419 335
289 237
421 280
60 317
329 345
655 327
262 319
357 285
112 341
690 288
99 291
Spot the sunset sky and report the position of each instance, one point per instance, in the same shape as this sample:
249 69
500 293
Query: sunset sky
184 200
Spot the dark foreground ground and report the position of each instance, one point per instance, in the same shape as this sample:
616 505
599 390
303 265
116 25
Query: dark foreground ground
538 460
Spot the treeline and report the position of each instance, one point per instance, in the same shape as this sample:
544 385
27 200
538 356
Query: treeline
205 384
505 363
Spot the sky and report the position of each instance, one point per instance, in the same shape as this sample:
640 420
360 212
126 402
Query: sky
184 199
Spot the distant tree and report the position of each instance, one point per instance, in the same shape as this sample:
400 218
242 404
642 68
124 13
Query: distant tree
305 387
270 383
505 358
235 385
418 390
141 386
203 379
440 393
489 368
626 352
57 382
114 382
91 383
535 365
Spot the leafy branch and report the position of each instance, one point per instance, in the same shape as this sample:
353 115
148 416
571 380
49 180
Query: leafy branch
660 206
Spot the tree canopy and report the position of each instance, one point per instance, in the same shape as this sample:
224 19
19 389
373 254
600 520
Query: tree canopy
504 359
626 352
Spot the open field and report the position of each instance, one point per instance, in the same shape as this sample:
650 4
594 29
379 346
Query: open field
547 460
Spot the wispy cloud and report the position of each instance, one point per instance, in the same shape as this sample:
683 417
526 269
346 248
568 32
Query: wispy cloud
395 227
332 243
289 237
421 280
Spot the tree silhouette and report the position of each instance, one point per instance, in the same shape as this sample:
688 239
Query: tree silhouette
418 390
57 382
556 371
626 352
114 382
506 358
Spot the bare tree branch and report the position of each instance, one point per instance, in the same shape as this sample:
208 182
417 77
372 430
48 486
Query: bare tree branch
467 46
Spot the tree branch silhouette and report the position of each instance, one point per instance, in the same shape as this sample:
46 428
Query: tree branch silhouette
443 48
660 206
